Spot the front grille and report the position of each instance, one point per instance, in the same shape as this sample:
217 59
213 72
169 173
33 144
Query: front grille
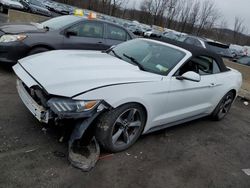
37 94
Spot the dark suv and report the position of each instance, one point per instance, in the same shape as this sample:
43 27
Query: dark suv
65 32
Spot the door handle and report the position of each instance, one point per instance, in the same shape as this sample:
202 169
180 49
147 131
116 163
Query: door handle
212 85
99 42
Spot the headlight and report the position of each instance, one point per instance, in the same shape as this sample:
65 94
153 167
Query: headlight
12 38
70 105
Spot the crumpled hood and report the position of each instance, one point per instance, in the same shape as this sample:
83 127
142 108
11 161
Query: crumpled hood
68 73
20 28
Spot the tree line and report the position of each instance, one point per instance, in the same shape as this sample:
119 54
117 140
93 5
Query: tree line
200 18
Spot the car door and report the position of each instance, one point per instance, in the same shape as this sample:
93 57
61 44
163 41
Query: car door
190 99
115 35
87 35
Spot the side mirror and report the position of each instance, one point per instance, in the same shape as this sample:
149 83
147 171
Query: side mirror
190 75
70 33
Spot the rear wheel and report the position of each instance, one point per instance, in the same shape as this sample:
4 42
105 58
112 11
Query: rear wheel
118 129
223 107
38 50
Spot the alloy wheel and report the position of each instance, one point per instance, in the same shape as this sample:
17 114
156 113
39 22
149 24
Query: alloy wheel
225 106
126 127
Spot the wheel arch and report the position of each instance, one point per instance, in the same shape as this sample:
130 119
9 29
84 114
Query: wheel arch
140 104
234 92
41 46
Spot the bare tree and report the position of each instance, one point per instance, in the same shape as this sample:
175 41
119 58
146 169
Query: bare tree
173 10
208 16
156 9
185 13
115 5
239 28
194 15
220 31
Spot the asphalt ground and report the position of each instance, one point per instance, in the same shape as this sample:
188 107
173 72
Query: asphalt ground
201 153
3 18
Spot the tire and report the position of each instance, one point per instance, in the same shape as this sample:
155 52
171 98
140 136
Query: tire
38 50
118 129
223 107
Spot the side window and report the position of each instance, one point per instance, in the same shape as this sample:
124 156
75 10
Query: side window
116 33
88 29
198 43
193 41
216 68
202 65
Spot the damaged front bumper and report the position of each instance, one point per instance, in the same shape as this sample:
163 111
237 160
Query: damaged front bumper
38 111
46 109
54 108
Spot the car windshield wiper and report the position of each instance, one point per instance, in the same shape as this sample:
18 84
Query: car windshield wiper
134 61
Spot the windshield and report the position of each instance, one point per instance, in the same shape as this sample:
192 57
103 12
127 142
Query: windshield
148 55
60 22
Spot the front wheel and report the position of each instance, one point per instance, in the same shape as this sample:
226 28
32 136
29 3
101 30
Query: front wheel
223 107
119 128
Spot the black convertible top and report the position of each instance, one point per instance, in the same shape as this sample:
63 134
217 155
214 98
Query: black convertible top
196 51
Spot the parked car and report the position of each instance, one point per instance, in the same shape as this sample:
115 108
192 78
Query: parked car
170 35
65 32
58 8
125 92
243 60
218 48
137 30
36 7
10 4
152 33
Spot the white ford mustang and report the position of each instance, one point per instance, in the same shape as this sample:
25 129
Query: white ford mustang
135 88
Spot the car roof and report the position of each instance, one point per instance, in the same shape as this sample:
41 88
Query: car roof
195 51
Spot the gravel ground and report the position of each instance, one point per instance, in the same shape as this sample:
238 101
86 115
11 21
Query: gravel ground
198 154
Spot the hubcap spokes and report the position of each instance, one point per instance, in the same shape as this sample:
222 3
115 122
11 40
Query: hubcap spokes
225 106
126 127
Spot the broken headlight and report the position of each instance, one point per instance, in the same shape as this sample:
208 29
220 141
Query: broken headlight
71 106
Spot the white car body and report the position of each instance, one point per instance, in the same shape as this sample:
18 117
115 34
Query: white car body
91 75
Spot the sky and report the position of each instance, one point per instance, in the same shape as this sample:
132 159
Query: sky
229 9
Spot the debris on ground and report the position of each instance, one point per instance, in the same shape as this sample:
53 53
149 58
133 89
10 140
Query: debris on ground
61 139
246 171
245 103
31 150
128 154
84 157
44 130
106 156
59 154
